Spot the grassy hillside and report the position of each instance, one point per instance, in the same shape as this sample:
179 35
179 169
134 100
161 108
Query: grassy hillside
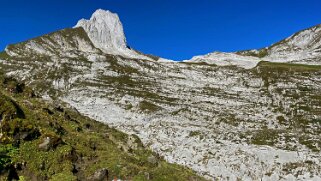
49 141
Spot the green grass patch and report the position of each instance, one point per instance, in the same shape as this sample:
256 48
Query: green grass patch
4 55
148 107
265 137
289 66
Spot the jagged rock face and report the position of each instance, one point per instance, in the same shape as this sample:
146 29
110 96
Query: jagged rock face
105 31
224 121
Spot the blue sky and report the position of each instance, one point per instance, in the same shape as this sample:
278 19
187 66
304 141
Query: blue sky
174 29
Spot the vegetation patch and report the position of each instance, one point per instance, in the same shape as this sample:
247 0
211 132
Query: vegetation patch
194 133
289 66
148 107
265 137
4 55
311 143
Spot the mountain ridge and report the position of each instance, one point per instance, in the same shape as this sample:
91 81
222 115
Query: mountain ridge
106 33
66 40
303 47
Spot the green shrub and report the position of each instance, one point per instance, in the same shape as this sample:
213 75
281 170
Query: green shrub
6 153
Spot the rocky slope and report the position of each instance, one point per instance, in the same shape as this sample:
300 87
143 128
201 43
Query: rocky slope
242 119
303 47
41 140
227 59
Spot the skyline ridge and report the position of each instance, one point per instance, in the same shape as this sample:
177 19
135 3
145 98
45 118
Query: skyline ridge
170 29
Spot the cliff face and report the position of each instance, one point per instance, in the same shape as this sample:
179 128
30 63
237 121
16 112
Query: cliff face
225 115
105 31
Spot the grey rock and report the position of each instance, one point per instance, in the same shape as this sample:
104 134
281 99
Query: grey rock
45 145
152 159
99 175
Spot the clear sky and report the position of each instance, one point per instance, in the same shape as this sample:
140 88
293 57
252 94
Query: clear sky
174 29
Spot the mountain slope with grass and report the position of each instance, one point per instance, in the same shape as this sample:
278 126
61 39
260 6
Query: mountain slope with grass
227 116
51 141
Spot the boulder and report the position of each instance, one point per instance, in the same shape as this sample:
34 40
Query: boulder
99 175
152 159
49 142
45 144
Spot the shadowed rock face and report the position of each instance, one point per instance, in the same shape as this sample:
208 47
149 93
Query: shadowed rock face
227 122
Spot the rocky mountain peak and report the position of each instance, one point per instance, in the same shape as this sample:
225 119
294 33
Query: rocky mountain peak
105 30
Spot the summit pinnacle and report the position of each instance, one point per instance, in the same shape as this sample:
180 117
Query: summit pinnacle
105 31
